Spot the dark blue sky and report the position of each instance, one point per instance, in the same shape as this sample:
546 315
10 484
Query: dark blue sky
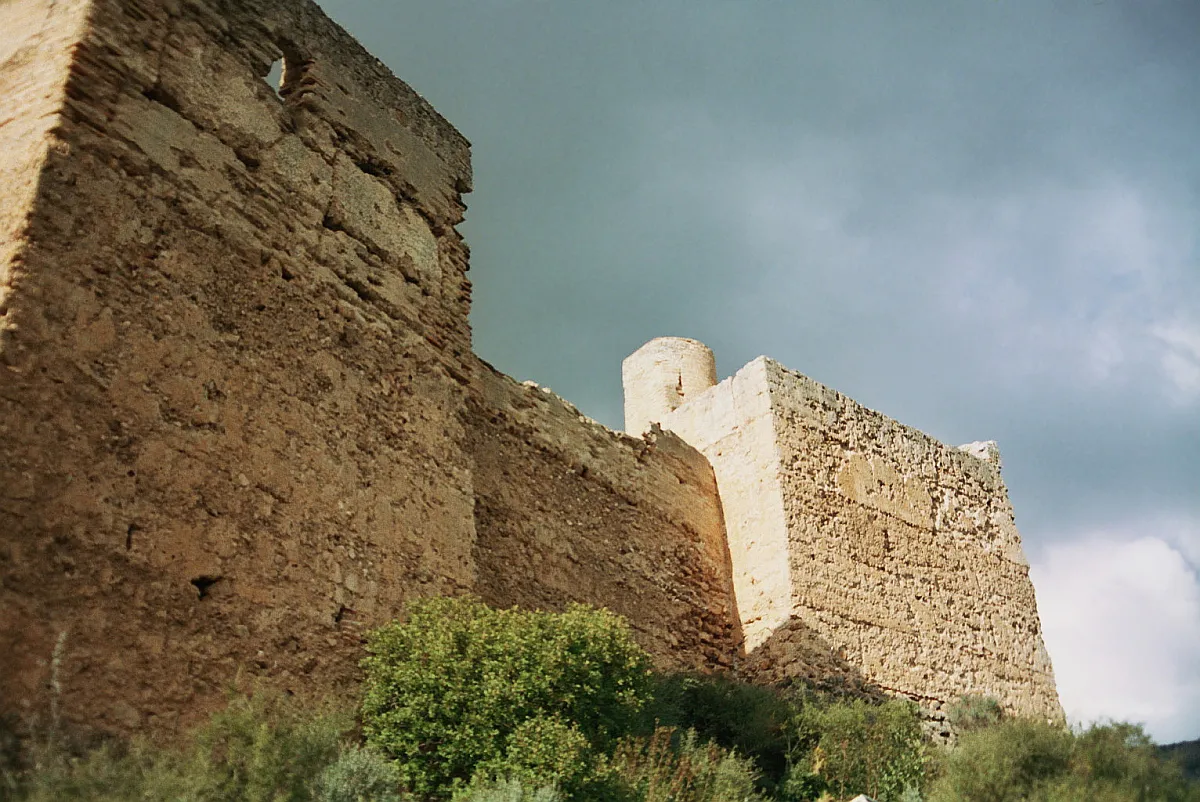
981 218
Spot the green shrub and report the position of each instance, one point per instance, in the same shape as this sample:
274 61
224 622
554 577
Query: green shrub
802 782
749 719
1186 754
265 748
542 752
446 690
666 767
359 775
974 712
1010 761
104 774
1120 760
857 747
1027 760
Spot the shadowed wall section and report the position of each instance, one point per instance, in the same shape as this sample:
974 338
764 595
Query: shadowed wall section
233 362
567 510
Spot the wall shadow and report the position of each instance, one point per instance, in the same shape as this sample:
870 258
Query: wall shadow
796 653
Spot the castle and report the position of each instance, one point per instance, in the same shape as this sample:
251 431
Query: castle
241 419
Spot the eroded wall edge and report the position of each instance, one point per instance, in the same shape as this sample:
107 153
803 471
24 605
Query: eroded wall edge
36 37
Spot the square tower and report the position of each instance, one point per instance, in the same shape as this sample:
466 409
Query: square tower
863 551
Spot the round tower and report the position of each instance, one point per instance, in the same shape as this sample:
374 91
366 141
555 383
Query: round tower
661 376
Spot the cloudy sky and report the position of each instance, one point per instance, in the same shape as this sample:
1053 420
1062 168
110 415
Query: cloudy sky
981 217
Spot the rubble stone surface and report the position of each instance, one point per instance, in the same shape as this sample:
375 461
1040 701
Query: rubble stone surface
865 552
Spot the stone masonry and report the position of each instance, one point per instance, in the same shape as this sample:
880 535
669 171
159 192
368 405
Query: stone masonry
860 546
241 420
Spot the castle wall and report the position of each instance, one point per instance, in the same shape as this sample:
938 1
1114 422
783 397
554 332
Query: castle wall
906 568
568 510
234 363
240 419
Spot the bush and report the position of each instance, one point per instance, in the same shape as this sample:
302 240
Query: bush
1027 760
266 748
974 712
103 774
359 775
1010 761
1121 760
508 790
542 752
857 747
447 689
1186 755
748 719
260 748
666 767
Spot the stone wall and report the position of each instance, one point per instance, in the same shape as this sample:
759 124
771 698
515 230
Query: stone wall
235 363
568 510
241 418
35 37
905 555
864 552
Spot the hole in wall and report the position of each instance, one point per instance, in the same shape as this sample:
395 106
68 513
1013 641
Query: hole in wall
274 76
161 96
204 584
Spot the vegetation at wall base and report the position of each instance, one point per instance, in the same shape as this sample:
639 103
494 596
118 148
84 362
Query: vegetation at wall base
747 719
470 704
458 686
260 748
669 766
1030 760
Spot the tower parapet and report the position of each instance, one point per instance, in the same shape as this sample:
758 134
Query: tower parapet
661 375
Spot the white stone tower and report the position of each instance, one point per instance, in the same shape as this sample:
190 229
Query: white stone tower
662 375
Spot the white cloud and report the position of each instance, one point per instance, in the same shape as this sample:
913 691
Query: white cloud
1122 623
1181 358
1083 279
